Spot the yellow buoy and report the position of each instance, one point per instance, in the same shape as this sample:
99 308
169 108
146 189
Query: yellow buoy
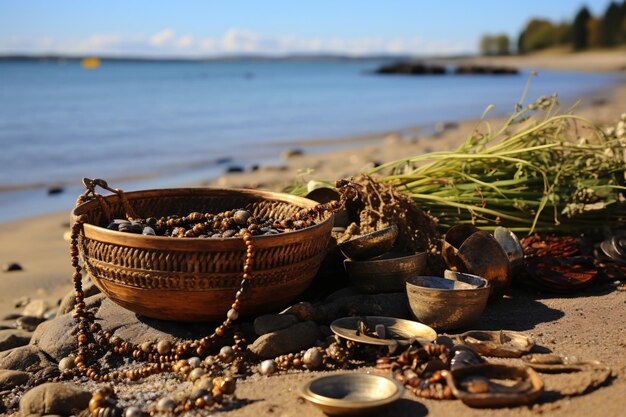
90 63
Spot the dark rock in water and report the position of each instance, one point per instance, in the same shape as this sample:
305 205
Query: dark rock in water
224 160
28 323
411 68
24 358
292 339
13 338
485 70
54 398
11 266
55 190
233 169
271 322
290 153
10 379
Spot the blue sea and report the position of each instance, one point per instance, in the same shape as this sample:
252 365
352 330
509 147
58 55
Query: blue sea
150 124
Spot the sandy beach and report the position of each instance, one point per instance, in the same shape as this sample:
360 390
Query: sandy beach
589 325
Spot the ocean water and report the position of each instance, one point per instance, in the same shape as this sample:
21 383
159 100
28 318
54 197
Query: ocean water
169 123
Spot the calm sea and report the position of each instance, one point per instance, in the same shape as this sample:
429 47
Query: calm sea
170 123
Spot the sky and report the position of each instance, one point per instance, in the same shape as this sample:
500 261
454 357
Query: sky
198 28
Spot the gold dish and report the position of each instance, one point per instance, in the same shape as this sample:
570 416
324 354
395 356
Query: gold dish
398 331
351 394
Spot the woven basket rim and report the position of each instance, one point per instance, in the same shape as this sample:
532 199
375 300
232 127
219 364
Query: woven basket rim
168 243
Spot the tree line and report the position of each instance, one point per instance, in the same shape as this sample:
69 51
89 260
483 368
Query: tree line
584 32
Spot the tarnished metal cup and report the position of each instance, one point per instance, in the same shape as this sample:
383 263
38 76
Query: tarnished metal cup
470 250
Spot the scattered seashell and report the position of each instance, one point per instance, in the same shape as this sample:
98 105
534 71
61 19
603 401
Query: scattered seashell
267 367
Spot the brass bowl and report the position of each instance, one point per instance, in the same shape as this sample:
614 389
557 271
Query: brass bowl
387 273
399 331
351 394
447 304
370 245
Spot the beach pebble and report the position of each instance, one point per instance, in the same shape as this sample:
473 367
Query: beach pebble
54 398
66 364
267 367
28 323
148 231
165 404
312 358
292 339
13 338
11 267
229 233
133 412
36 308
10 379
136 227
271 322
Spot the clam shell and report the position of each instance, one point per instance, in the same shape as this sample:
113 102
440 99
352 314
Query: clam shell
525 391
501 344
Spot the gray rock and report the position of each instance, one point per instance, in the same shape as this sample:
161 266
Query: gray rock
34 340
36 308
272 322
24 358
55 339
54 398
10 379
28 323
68 302
11 338
303 311
389 304
292 339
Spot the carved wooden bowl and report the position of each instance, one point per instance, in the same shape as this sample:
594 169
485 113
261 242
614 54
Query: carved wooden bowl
196 279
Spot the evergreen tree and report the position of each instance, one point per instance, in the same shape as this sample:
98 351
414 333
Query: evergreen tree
579 29
520 43
610 25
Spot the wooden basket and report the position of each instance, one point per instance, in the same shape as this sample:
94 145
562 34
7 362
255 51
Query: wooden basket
196 279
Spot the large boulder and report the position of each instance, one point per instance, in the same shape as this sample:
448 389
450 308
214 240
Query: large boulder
10 378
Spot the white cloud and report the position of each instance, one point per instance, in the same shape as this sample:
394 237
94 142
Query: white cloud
161 37
233 41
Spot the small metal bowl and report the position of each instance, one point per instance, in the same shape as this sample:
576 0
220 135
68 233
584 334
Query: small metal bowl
387 273
351 394
448 304
370 245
